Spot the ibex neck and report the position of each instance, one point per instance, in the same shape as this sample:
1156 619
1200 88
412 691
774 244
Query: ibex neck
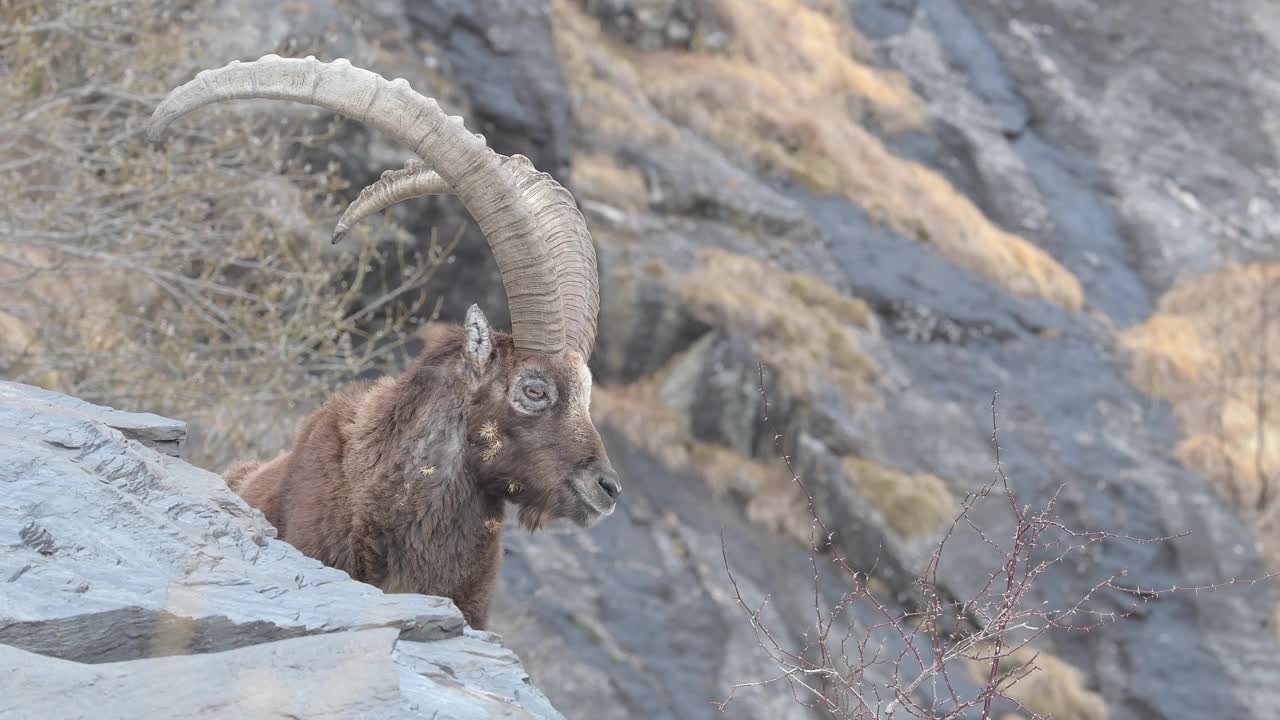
438 510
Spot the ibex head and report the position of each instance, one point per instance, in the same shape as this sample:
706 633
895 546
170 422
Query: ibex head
530 436
529 428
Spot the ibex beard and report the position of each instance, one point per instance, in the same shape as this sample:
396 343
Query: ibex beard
403 482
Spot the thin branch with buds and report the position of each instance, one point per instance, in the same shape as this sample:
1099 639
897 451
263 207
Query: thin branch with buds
864 658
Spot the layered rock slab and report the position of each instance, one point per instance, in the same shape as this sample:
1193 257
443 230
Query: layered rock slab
122 565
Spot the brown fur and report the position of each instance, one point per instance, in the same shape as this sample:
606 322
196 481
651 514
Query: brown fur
402 482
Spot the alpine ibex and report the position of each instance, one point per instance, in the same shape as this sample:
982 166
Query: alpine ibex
403 482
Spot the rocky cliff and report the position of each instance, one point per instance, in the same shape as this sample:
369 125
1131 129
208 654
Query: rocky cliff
897 208
136 585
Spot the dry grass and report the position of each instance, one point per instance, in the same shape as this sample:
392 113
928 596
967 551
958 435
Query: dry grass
192 279
790 95
813 45
755 113
602 177
798 323
913 505
1229 464
635 411
1170 350
608 99
1050 687
1212 349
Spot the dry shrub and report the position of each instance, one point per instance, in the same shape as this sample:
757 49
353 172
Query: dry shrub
192 279
1212 349
912 504
871 653
1045 685
798 323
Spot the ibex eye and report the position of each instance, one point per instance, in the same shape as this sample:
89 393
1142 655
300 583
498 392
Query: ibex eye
535 393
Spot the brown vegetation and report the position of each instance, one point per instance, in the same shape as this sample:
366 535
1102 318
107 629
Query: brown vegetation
864 656
1045 685
790 94
1212 349
193 279
635 411
811 46
608 100
912 504
797 322
600 175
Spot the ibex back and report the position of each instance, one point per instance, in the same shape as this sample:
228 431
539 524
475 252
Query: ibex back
403 482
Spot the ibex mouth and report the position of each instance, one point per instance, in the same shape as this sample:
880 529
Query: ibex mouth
597 497
590 518
591 511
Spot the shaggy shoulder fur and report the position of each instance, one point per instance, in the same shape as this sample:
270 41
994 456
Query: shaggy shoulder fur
376 486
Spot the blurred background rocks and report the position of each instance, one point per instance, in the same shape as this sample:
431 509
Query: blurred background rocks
896 208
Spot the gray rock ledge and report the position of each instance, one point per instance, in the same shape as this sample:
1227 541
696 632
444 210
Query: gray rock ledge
132 582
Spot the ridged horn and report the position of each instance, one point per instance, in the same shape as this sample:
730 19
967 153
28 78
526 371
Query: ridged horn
415 179
522 213
574 257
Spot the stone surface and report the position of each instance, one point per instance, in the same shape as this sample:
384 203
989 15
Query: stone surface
158 433
1119 173
1083 125
477 666
123 570
636 618
341 675
1067 131
654 24
501 55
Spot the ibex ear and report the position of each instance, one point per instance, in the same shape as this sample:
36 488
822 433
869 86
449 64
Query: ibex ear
477 342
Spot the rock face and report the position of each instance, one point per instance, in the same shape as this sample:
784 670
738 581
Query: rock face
1056 129
1107 134
136 584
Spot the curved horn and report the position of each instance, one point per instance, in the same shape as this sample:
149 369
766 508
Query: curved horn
512 203
574 255
415 179
574 258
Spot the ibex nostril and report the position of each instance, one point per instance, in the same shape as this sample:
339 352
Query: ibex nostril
610 485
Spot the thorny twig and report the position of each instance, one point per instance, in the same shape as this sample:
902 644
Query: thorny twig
863 658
